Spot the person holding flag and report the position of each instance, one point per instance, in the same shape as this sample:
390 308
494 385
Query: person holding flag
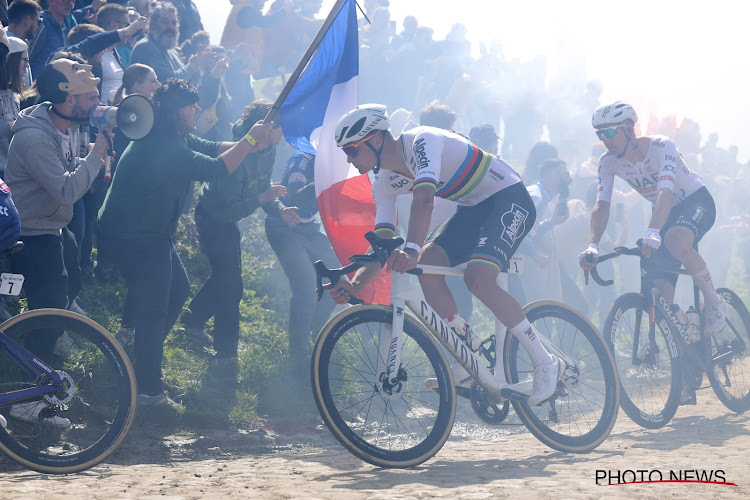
495 213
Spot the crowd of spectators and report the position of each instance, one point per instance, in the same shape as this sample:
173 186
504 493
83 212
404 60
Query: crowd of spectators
76 192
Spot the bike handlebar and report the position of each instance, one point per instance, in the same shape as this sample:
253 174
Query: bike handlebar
381 251
636 251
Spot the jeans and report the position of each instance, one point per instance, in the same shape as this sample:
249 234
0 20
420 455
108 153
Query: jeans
297 248
158 287
45 283
221 294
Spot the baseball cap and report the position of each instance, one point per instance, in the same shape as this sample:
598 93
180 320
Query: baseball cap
15 45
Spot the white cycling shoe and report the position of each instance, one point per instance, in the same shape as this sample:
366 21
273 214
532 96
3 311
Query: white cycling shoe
29 413
545 381
716 318
461 378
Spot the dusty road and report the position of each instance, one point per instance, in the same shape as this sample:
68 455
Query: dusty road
477 462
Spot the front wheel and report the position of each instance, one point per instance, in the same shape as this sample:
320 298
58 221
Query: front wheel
729 368
648 363
92 414
387 425
583 410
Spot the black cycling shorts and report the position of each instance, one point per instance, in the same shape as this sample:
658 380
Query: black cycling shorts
697 213
489 232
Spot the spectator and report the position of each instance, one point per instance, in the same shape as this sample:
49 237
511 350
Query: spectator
112 17
52 33
438 115
541 278
140 213
298 243
23 19
137 79
222 204
47 176
190 19
11 86
88 14
159 49
195 44
485 138
142 7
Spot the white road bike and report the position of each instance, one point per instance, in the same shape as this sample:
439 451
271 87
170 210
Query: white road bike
370 362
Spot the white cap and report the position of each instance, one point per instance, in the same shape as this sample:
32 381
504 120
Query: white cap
15 44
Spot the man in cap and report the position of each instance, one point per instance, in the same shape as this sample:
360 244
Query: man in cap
47 177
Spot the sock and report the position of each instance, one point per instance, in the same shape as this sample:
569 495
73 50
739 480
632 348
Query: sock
706 285
525 334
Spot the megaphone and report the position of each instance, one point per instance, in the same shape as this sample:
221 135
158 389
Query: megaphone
134 116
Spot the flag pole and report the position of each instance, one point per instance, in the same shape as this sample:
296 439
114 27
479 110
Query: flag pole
305 59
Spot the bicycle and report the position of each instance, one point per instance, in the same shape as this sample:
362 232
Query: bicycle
655 353
70 410
370 361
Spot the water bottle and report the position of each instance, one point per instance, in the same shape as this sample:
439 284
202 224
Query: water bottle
681 316
694 324
462 328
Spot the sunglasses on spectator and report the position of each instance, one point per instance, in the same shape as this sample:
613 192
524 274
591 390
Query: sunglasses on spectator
607 133
352 150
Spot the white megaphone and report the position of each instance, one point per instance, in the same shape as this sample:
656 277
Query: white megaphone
134 116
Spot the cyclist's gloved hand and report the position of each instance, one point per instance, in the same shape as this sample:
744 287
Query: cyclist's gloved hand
587 259
650 242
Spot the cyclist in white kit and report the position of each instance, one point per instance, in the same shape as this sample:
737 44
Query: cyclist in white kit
495 213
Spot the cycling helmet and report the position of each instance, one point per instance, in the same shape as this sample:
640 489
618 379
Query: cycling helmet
360 123
617 112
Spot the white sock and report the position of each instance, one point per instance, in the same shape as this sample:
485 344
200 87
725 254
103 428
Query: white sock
525 334
706 285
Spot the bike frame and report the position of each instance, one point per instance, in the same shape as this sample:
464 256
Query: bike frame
404 294
34 367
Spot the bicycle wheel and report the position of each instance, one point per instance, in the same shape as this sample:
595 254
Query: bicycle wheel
583 410
98 401
729 370
400 425
650 373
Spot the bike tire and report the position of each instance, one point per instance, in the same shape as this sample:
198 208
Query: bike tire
583 411
103 394
401 430
729 366
649 388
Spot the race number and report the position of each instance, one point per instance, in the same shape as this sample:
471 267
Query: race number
515 266
10 284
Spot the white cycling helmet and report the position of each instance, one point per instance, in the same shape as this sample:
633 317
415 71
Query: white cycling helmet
361 122
617 112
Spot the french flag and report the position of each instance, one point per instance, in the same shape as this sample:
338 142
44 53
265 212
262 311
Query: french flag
325 90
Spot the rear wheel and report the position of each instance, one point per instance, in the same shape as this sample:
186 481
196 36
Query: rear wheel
649 369
729 370
98 400
388 425
583 410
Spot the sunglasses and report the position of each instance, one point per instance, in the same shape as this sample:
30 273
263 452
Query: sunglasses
352 150
607 133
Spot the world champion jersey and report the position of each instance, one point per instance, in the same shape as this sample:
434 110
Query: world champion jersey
459 171
663 167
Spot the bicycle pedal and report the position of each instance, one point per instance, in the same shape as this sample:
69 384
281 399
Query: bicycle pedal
513 395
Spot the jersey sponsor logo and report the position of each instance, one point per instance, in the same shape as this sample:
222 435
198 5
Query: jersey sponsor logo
669 168
4 211
669 158
422 160
643 182
482 241
514 224
666 178
398 184
4 187
698 214
496 175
